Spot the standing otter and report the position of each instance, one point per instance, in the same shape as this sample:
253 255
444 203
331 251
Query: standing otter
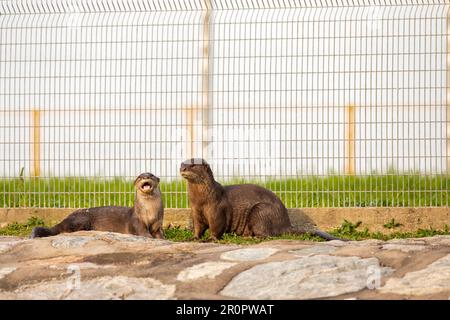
144 219
245 209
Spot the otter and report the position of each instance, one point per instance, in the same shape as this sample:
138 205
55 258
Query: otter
144 219
245 209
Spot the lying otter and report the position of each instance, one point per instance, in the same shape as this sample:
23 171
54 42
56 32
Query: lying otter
245 209
144 219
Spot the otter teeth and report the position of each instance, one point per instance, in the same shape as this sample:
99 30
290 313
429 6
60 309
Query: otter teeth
145 187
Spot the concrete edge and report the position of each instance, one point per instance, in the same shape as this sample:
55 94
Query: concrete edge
411 219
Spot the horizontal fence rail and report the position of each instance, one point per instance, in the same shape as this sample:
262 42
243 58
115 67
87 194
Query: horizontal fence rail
327 103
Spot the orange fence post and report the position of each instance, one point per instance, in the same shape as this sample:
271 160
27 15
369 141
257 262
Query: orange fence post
350 140
36 143
206 99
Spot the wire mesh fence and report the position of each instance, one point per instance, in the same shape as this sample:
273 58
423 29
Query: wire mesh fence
327 103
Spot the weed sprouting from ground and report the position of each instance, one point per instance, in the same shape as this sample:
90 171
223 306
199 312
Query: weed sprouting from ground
392 224
22 229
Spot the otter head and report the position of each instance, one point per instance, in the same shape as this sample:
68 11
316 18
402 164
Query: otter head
146 182
196 170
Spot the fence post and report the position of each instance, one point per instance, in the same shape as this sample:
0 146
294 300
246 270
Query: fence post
36 143
206 95
190 126
350 140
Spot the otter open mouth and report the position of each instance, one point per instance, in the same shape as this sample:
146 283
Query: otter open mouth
146 186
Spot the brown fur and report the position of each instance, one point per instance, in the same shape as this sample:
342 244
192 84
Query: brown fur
144 219
245 209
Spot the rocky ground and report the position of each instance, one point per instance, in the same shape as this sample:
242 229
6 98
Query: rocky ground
100 265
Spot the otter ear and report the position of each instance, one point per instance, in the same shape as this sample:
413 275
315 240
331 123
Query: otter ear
136 180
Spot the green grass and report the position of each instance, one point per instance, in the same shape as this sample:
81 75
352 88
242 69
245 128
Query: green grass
352 231
21 229
391 190
347 230
181 234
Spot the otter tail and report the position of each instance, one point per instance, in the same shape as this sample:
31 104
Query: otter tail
322 234
325 235
39 232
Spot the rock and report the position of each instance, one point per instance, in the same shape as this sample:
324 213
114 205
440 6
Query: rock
105 265
439 240
6 246
67 242
104 288
81 265
248 254
208 270
305 278
7 243
403 247
433 279
407 241
337 243
320 249
119 237
365 243
5 271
